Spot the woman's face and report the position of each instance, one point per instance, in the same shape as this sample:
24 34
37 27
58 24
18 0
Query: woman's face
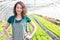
18 9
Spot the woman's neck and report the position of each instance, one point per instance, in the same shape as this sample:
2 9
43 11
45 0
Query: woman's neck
18 17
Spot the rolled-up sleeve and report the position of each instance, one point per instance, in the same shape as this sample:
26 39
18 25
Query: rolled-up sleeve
9 19
28 19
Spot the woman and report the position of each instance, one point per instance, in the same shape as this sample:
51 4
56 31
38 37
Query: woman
16 20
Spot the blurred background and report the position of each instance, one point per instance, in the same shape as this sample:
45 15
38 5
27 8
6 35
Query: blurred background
44 13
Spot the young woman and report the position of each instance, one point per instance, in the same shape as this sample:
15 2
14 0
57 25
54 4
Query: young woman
16 20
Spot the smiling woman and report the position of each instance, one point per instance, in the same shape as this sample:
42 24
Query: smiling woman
19 23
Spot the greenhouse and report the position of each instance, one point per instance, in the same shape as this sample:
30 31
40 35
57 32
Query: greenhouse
44 13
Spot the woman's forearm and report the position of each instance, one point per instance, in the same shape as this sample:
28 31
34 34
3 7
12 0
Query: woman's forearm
33 31
6 32
6 29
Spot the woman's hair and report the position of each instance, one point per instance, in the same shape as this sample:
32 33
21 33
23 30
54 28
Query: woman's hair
24 9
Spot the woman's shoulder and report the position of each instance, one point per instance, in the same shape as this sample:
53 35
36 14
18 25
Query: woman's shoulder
12 16
28 18
10 19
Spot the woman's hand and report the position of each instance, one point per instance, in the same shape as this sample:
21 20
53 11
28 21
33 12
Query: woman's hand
10 38
27 37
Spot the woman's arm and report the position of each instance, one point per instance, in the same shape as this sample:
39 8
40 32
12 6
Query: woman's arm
6 29
34 28
33 31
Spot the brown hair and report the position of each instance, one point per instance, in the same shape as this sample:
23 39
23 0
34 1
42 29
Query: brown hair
24 10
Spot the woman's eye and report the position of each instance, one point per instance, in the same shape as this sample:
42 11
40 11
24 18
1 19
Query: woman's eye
17 7
20 7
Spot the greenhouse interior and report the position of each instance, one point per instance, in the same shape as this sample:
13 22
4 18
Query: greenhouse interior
44 14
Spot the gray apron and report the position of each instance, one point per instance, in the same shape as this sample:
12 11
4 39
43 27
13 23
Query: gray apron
18 30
